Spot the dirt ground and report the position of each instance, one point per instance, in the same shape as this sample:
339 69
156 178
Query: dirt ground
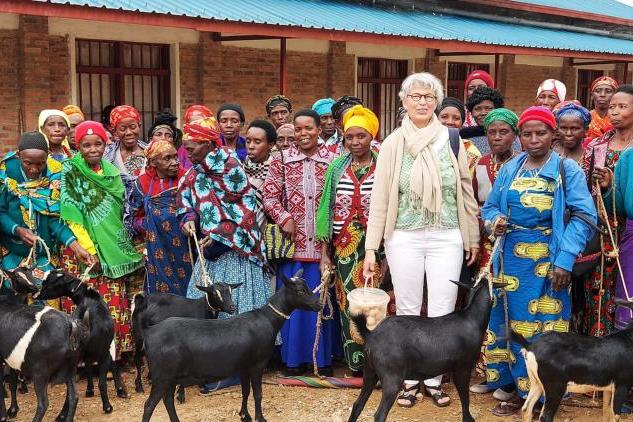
281 404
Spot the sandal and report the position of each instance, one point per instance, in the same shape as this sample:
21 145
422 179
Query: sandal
508 408
439 397
407 397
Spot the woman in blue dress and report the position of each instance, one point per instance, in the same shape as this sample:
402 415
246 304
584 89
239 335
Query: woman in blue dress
537 251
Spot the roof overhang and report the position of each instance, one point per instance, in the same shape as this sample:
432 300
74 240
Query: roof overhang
41 8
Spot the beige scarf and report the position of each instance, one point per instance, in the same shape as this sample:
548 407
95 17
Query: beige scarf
425 182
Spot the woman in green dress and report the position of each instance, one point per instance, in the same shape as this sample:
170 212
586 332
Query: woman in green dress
342 218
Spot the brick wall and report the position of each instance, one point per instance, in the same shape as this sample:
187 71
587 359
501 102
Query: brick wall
190 75
249 76
60 72
9 93
522 81
34 74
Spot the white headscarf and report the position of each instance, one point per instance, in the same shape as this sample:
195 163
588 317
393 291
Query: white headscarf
554 85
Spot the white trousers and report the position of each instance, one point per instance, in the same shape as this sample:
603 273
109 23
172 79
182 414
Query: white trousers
413 253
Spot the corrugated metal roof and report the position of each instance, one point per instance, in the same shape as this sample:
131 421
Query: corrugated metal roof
346 16
599 7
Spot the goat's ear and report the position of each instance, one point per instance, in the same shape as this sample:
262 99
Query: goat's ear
464 285
236 285
623 302
205 289
298 274
499 285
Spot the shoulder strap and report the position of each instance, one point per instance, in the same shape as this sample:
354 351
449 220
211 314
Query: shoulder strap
453 138
561 172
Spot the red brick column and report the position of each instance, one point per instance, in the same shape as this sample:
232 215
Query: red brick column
9 93
33 67
340 70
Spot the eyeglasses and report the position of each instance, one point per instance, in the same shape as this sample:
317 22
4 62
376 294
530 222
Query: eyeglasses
416 98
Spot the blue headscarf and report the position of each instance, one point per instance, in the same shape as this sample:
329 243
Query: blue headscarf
323 106
574 110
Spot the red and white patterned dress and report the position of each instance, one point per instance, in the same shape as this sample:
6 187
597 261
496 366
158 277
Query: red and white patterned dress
293 189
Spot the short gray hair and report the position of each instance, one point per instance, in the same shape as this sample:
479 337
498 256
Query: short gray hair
424 80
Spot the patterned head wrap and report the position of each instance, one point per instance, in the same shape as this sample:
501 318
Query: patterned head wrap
540 113
323 106
157 148
202 131
359 116
452 102
604 80
554 85
88 127
162 126
502 115
121 112
70 109
278 100
480 74
204 111
574 110
343 104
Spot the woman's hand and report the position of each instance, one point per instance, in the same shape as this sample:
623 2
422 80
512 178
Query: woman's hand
289 228
82 254
500 226
25 235
326 262
472 255
189 228
603 176
560 278
207 241
369 265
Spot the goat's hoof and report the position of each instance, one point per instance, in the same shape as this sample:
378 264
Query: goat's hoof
139 389
90 393
121 393
12 412
23 389
181 399
107 409
245 417
60 418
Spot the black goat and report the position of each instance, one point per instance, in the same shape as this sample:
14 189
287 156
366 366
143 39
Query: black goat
100 347
42 343
413 347
558 362
183 351
152 309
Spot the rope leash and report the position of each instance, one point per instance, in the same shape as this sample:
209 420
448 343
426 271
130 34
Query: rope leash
85 276
206 279
324 299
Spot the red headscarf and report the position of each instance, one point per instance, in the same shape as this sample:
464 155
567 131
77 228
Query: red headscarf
540 113
203 110
203 131
604 80
480 74
121 112
89 127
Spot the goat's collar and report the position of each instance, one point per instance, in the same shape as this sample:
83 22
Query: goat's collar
278 312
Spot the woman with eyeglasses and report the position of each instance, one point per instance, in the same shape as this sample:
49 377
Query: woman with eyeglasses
422 205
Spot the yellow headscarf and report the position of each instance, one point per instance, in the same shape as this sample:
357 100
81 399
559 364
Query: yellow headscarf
359 116
45 114
71 109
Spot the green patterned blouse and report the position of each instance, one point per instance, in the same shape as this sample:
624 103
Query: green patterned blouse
410 218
